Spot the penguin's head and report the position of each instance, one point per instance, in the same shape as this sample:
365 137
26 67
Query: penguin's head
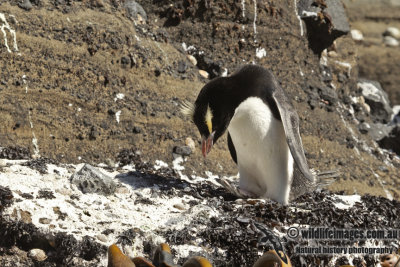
211 112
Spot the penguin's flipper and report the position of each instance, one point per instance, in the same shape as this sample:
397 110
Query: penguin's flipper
232 149
290 121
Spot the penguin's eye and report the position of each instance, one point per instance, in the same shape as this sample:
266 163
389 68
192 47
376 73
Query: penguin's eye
208 119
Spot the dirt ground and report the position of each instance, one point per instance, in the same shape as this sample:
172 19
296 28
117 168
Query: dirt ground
376 60
60 92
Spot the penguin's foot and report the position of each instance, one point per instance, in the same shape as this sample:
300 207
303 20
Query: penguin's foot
235 190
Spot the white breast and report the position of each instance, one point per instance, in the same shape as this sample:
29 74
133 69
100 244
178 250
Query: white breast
264 159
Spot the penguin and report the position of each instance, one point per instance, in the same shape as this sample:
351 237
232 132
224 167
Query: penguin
118 259
390 260
197 261
263 132
272 259
162 258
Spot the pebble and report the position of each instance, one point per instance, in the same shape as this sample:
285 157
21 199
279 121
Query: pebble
110 163
364 127
390 41
393 32
179 206
190 143
102 238
333 54
356 35
137 130
192 59
22 215
37 254
182 66
64 191
44 221
3 163
182 150
26 4
135 11
204 74
122 190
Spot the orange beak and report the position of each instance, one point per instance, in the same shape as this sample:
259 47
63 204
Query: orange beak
207 143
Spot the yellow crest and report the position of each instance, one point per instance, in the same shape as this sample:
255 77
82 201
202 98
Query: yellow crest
208 119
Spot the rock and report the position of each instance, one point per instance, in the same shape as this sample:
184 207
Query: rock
179 206
328 94
37 254
393 32
137 130
377 99
364 127
204 74
26 4
90 180
325 22
125 60
392 140
3 163
212 67
44 220
182 66
122 190
390 41
94 133
192 59
396 114
378 131
182 150
356 35
110 163
135 11
22 215
102 238
190 143
326 74
97 3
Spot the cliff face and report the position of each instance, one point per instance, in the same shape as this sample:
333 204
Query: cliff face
80 81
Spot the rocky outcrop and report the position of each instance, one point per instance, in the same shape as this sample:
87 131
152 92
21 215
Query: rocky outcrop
325 22
377 99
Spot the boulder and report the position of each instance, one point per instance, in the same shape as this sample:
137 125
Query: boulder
392 140
377 99
90 180
325 22
134 10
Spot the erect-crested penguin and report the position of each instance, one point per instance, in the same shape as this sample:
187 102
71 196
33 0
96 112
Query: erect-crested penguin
263 132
